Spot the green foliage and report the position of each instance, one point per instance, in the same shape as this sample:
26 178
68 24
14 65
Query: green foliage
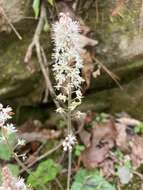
46 27
139 128
46 172
14 169
36 7
5 153
51 2
124 170
61 124
90 180
79 149
128 164
101 118
119 154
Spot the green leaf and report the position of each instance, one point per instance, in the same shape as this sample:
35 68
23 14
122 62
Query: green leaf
14 169
137 129
90 180
46 171
79 149
51 2
46 27
5 153
36 7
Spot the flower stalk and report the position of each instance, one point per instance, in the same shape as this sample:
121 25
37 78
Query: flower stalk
69 151
67 68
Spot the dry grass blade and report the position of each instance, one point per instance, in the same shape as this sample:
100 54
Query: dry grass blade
2 12
110 73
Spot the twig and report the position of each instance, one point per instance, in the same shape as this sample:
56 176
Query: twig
141 17
43 156
25 168
97 12
45 71
35 41
138 174
69 132
110 73
41 55
2 12
59 184
118 186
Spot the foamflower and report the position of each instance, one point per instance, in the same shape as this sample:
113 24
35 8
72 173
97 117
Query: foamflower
67 59
10 182
69 142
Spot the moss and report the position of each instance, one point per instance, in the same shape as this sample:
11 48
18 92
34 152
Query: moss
109 30
16 80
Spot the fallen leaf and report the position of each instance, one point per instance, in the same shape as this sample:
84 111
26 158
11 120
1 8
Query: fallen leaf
93 156
85 137
107 168
122 138
87 68
137 151
104 132
86 41
40 136
128 121
30 159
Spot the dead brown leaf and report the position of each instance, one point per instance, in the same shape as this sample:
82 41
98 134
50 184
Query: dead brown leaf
122 138
85 137
30 159
137 151
128 121
40 136
104 132
123 125
101 141
107 168
93 156
87 69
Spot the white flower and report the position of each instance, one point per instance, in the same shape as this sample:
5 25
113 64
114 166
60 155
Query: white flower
24 157
21 142
60 110
61 97
1 106
10 128
68 62
5 114
78 94
20 184
80 114
7 110
74 104
69 142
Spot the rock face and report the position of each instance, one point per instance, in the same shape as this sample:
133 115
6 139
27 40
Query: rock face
120 48
11 11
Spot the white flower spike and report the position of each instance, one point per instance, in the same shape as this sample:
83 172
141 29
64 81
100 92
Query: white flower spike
68 62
